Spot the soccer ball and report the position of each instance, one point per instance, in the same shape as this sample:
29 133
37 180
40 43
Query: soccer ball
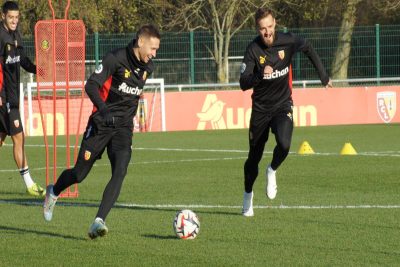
186 224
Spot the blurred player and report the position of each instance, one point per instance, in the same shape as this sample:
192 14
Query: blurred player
114 88
12 56
265 68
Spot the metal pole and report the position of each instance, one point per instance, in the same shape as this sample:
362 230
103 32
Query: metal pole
96 48
192 57
378 62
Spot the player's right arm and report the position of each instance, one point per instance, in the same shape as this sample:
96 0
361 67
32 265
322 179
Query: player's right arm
94 87
97 87
250 76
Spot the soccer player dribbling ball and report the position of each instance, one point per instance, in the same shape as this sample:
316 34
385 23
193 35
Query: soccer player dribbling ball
114 88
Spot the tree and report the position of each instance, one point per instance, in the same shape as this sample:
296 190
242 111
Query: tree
387 6
116 16
223 18
341 60
304 13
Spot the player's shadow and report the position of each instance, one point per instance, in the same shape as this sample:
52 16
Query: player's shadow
12 193
39 202
42 233
162 209
165 237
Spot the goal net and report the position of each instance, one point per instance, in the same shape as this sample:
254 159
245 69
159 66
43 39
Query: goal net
150 116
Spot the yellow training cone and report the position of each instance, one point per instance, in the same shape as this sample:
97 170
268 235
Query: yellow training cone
305 148
348 149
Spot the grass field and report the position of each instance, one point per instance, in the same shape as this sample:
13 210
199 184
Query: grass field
331 210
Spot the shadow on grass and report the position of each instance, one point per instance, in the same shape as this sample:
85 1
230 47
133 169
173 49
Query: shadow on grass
12 193
42 233
39 202
165 237
164 209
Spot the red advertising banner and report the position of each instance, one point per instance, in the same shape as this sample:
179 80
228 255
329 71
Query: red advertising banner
212 110
334 106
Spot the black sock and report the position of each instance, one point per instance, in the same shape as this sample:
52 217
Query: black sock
66 179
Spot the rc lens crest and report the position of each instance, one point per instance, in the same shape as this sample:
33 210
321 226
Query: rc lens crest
87 155
262 59
386 105
281 54
45 45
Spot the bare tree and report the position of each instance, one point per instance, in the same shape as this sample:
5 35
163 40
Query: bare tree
341 60
387 5
224 18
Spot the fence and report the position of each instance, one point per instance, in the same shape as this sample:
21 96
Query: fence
184 58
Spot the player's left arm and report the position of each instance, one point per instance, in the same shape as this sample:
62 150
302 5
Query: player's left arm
25 62
306 47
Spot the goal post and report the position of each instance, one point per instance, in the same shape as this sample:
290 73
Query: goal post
150 115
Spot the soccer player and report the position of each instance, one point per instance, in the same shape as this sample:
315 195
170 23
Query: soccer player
265 68
114 88
12 56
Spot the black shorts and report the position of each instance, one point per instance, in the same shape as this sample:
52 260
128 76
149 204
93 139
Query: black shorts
97 138
10 121
262 122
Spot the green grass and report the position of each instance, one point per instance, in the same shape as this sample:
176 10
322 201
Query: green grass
206 168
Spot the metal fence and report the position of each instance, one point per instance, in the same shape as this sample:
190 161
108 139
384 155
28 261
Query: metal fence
185 58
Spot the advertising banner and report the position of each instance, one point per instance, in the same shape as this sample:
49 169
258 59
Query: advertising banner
214 110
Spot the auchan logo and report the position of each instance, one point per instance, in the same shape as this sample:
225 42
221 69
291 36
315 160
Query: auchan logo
217 114
212 112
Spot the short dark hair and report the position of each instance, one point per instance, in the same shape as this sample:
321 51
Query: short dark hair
262 13
148 30
10 5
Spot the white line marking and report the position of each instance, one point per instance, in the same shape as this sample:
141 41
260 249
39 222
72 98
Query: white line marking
140 163
200 206
367 153
161 206
373 154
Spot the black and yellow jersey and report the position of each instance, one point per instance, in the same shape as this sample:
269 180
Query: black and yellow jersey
272 91
117 84
12 56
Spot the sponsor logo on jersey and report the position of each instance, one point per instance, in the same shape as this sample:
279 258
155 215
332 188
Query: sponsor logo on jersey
276 74
127 73
87 155
12 60
99 69
129 90
281 54
262 59
16 123
386 105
